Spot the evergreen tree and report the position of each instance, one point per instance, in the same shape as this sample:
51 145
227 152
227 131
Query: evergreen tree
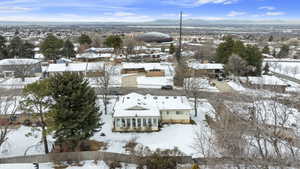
68 50
37 102
27 50
3 49
254 58
238 47
85 40
266 50
172 49
114 41
15 47
225 50
271 38
266 69
284 51
74 116
51 47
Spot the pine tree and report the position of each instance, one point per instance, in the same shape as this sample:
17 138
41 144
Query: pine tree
68 49
284 51
114 41
15 47
3 49
74 116
85 40
27 50
51 47
266 69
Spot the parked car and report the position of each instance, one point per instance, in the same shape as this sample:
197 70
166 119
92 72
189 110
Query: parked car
167 87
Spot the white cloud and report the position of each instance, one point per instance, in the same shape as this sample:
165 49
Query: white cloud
8 9
195 3
77 18
236 13
270 8
274 13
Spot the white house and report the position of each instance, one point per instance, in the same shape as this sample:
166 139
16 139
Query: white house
136 112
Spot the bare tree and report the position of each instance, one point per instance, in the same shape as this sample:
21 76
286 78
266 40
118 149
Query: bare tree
192 87
236 65
23 67
8 108
104 82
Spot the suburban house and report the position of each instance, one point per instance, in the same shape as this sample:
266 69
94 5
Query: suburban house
94 57
211 70
136 112
147 69
87 69
264 82
20 67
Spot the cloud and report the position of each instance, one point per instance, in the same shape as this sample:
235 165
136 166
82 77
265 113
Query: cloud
236 13
275 13
8 9
270 8
195 3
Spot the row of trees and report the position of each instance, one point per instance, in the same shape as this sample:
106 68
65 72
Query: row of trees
283 53
249 56
15 48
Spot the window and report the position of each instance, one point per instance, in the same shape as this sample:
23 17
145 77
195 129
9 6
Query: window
139 122
144 122
128 123
178 112
133 123
149 122
155 122
167 112
123 123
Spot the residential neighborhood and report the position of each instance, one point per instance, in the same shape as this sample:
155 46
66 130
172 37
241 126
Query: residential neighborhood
176 92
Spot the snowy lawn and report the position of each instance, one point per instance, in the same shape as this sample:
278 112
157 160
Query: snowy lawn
170 136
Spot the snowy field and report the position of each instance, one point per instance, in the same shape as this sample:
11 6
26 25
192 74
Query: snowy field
291 69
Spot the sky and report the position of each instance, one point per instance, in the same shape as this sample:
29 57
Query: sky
146 10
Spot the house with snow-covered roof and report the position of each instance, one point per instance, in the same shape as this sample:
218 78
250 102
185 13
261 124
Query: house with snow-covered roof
148 69
20 67
136 112
211 70
267 82
87 69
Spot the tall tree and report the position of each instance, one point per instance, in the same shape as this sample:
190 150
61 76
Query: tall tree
225 50
37 103
114 41
27 50
284 51
15 47
254 58
68 49
3 48
172 49
51 47
84 39
74 116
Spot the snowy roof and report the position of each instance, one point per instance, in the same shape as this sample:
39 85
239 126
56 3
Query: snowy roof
135 104
205 66
172 102
264 80
146 66
18 61
100 49
74 67
90 55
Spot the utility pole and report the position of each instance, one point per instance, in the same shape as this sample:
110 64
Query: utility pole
180 40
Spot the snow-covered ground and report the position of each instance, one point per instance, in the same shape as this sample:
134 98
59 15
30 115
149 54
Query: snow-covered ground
16 83
170 136
291 69
85 165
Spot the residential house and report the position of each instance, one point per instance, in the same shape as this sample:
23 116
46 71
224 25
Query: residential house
20 67
136 112
147 69
211 70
